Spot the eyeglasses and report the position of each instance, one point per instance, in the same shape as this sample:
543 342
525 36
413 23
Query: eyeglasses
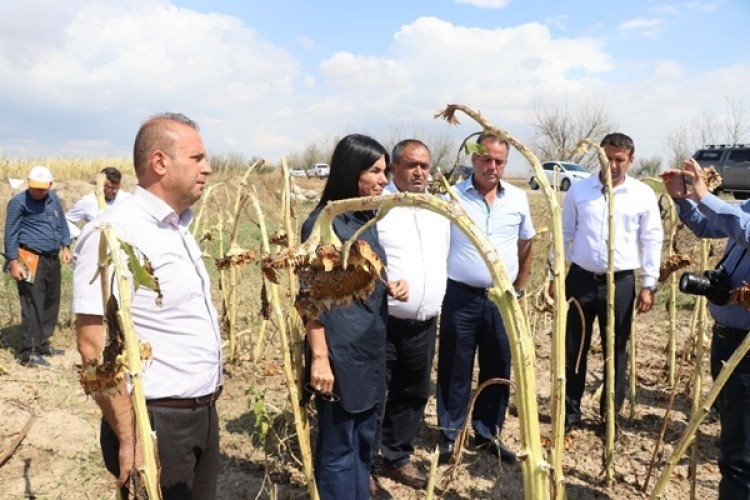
330 397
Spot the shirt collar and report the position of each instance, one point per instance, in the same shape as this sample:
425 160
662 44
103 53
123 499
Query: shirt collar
467 185
160 210
598 184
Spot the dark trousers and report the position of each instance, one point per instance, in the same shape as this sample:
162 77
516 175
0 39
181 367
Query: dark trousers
409 350
469 322
591 294
734 411
344 451
40 303
188 450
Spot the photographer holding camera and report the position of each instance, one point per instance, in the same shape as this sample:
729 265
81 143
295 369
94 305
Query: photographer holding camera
710 217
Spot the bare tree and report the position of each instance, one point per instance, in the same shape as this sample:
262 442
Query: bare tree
646 167
681 146
559 129
738 120
707 128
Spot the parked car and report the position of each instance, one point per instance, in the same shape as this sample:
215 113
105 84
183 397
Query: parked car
732 162
320 170
565 172
298 172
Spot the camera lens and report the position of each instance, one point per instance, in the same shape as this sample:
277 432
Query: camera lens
695 284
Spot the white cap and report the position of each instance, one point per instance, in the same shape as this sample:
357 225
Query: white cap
40 178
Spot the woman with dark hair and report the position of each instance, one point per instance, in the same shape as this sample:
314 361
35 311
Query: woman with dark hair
346 344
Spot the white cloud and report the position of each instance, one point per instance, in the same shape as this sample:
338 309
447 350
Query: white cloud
486 4
79 76
132 59
648 28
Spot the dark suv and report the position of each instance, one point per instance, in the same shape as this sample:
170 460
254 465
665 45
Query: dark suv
732 161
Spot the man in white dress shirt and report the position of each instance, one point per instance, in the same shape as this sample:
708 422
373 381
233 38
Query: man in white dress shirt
183 380
416 242
87 208
638 241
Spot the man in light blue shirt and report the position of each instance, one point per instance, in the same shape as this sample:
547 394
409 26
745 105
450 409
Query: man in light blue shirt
710 217
470 321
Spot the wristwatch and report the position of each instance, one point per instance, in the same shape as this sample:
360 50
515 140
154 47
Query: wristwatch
652 288
520 292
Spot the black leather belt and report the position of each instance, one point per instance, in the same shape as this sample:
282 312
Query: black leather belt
187 403
49 255
728 333
472 289
601 276
412 322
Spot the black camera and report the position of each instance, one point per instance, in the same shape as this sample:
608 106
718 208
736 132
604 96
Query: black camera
712 284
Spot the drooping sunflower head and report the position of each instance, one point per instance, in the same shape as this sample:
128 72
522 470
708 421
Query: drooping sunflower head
712 178
324 281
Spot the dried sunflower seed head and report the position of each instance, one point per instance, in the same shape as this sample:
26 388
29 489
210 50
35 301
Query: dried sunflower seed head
325 282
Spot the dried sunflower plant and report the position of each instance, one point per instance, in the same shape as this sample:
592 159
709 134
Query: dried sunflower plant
338 272
123 354
521 343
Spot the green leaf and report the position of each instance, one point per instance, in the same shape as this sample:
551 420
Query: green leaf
474 148
143 274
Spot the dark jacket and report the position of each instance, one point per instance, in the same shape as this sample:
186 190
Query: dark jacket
355 334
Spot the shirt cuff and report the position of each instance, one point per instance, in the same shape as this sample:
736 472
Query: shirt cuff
648 282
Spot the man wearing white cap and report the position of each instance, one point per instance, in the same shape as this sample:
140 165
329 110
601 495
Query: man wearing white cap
35 232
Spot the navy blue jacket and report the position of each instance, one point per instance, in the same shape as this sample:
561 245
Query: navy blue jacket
355 334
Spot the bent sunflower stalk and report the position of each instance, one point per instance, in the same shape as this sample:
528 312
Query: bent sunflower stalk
557 269
697 416
353 265
300 422
609 360
110 250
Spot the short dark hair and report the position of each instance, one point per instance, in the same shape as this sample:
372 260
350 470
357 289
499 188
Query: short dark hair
398 149
112 174
493 138
353 154
156 133
619 141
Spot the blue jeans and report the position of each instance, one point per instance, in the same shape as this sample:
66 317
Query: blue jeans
734 411
344 451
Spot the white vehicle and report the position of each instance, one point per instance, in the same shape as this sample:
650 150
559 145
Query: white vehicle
320 170
565 173
298 172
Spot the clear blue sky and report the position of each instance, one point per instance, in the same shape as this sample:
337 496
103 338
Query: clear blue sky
264 78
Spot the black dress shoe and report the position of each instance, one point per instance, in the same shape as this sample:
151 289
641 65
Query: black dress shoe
572 423
445 452
495 448
32 360
48 350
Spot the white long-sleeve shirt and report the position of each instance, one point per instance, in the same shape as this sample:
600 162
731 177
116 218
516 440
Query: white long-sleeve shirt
183 330
638 230
87 209
416 243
